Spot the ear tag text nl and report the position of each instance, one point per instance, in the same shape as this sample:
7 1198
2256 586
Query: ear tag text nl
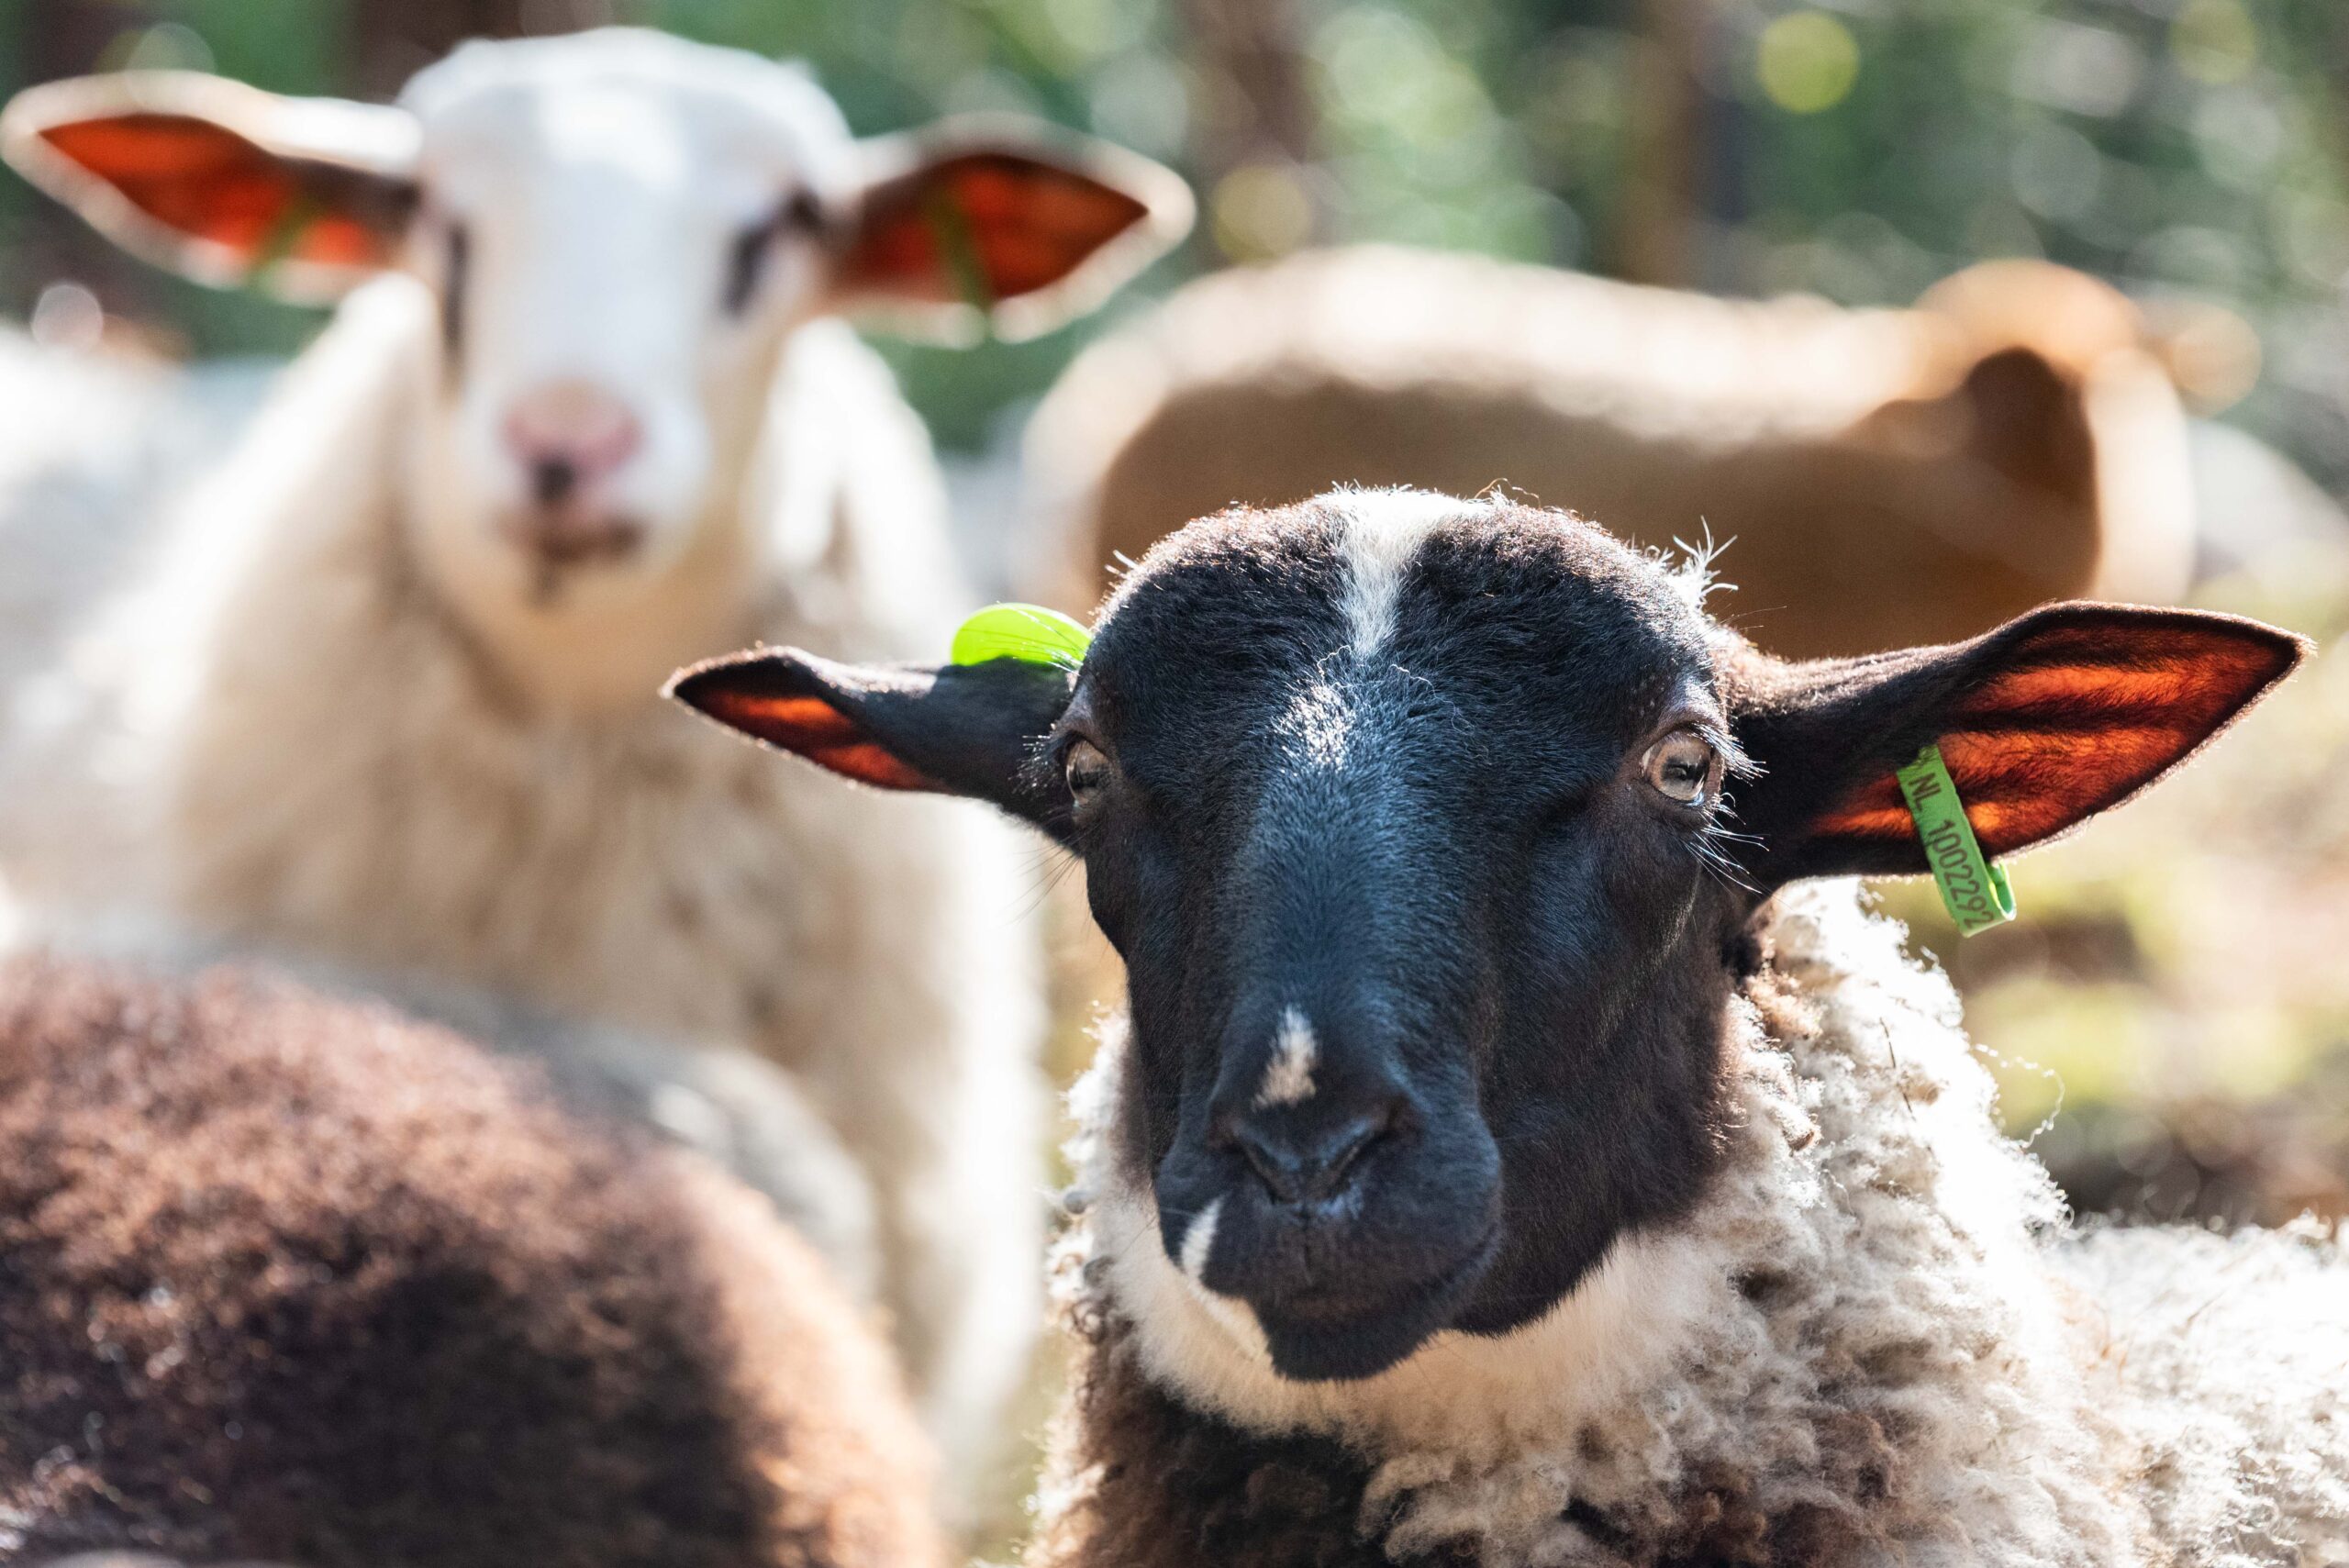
1030 633
1975 893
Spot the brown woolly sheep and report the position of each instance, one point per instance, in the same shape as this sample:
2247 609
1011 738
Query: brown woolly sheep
295 1279
1888 476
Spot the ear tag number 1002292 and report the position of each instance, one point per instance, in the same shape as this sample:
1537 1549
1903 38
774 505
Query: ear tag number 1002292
1975 893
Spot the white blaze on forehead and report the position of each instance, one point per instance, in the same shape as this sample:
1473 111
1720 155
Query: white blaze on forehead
1289 1077
1384 530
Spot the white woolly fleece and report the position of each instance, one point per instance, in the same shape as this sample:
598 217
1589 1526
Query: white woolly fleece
1879 1269
286 737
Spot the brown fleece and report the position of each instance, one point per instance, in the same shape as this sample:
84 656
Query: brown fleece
1160 1485
291 1280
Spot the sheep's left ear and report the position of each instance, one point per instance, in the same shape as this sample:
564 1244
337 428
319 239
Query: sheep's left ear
964 730
1003 223
2042 723
220 181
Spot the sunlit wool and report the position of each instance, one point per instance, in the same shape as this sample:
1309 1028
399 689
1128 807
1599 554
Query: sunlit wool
1879 1285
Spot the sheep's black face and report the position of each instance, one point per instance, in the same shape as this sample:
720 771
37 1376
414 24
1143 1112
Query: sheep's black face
1410 817
1407 852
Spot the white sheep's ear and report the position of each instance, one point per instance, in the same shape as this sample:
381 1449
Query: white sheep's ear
1001 224
965 730
223 183
2042 723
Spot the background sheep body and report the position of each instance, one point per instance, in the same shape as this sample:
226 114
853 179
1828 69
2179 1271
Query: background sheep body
297 1280
1875 1341
1889 476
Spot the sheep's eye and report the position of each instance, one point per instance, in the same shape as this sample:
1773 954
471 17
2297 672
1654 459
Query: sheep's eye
456 263
1086 770
1680 767
802 214
746 262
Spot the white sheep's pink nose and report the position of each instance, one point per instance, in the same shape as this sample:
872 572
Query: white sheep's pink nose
569 434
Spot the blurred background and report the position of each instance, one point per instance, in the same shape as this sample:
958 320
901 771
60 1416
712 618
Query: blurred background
2170 1020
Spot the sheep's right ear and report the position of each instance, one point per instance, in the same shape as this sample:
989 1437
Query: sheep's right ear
220 181
998 221
2042 723
965 730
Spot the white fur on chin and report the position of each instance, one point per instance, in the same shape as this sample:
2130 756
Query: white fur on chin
1465 1393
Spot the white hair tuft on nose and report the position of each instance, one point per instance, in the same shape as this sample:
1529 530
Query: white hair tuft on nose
1289 1077
1199 1241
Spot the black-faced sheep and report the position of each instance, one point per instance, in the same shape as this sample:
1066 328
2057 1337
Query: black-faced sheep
287 1279
1887 476
1513 1152
392 695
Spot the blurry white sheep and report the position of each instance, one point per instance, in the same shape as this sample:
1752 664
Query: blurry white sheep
94 438
391 694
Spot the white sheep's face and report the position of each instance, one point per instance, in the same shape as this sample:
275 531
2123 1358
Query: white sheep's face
622 228
618 256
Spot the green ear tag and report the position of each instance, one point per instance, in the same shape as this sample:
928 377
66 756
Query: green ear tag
1030 633
1975 893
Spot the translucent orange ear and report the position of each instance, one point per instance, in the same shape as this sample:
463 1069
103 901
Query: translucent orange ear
815 731
221 181
212 185
1027 228
805 724
2043 723
971 730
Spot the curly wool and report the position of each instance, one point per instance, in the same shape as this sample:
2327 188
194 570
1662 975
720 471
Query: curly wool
1875 1341
2226 1360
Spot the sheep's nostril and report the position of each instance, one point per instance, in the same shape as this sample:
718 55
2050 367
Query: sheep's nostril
552 480
1309 1163
568 434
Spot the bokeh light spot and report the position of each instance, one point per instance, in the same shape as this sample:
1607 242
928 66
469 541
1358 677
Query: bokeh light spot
1262 210
1807 61
67 317
2214 40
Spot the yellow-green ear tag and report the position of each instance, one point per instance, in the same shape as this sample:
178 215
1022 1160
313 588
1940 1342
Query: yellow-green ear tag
1975 893
1030 633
